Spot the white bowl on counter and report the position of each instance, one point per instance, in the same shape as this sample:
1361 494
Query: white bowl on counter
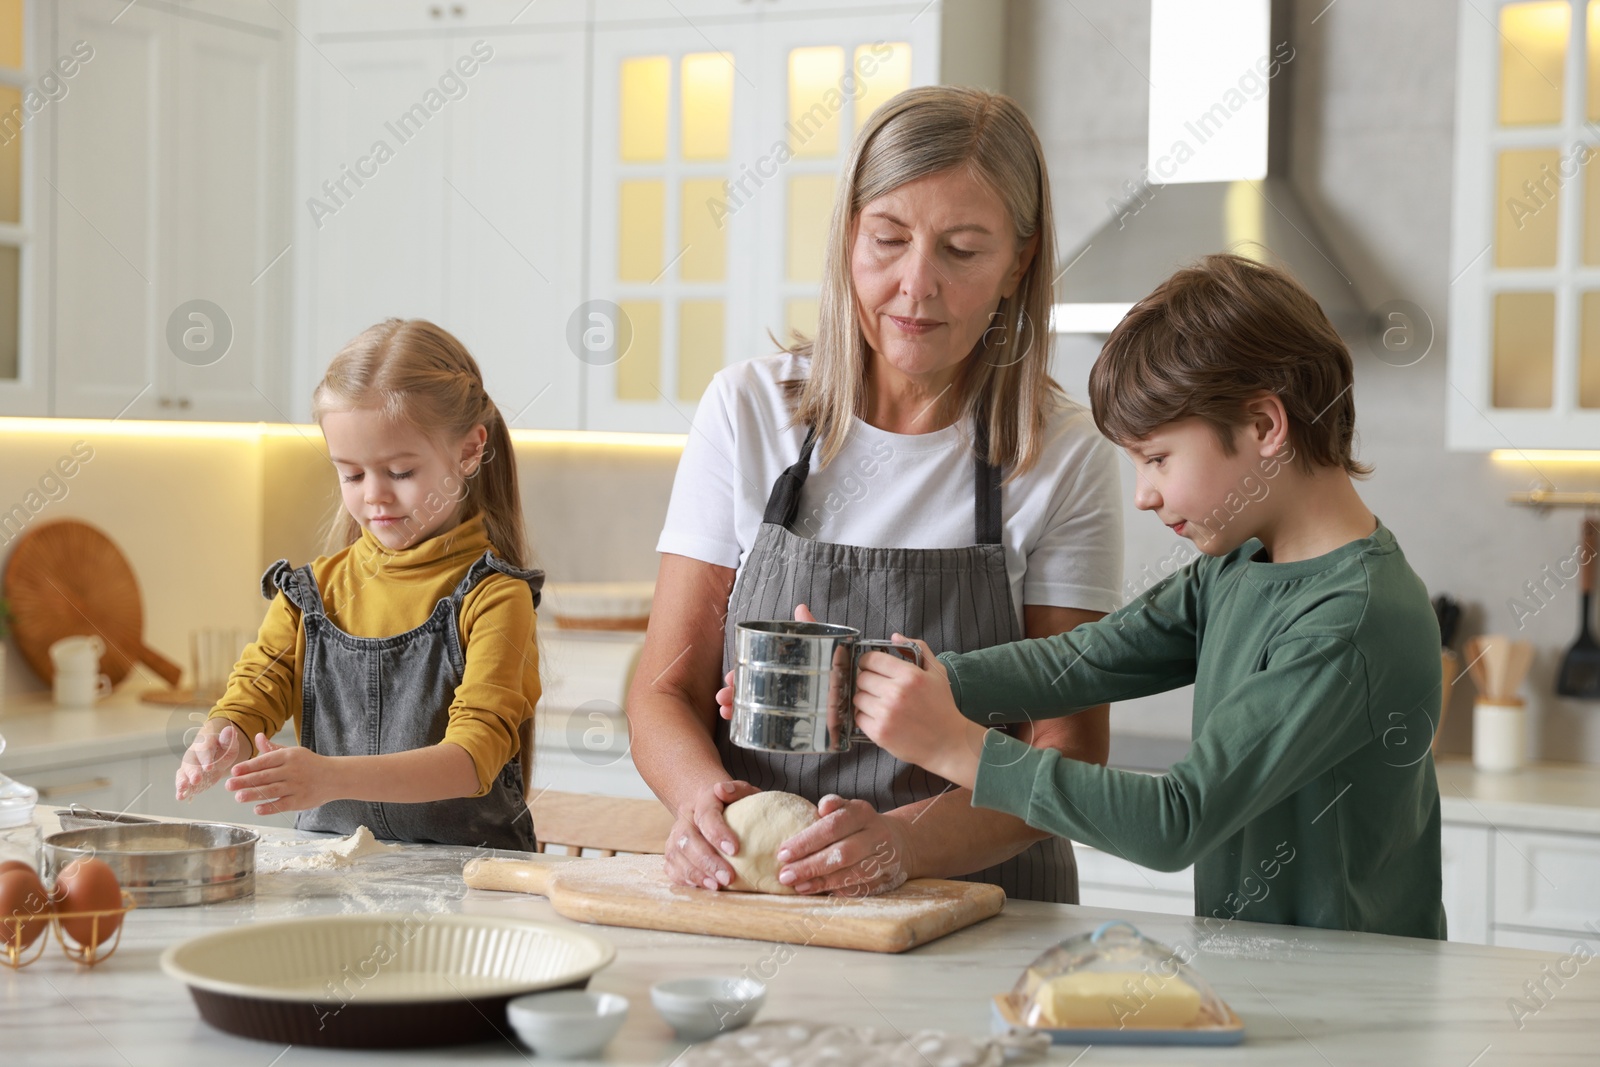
568 1024
698 1008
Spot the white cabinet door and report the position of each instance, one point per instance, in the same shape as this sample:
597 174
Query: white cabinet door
1546 880
1108 881
1465 861
108 322
115 785
514 205
229 228
370 197
169 188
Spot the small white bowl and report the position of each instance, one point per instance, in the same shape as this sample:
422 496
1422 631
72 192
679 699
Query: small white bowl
567 1023
699 1008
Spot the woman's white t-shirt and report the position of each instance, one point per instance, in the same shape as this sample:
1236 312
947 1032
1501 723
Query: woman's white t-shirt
1062 520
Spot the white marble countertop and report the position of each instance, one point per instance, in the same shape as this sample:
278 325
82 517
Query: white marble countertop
39 734
1306 996
1543 796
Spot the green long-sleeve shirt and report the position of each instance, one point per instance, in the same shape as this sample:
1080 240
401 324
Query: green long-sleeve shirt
1308 795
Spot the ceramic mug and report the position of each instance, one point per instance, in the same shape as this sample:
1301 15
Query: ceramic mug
78 682
81 653
80 689
794 684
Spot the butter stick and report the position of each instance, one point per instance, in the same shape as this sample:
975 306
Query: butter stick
1115 1000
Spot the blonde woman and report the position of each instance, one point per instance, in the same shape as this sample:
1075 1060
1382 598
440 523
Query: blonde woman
913 469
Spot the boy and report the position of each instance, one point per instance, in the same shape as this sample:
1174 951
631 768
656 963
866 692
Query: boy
1308 795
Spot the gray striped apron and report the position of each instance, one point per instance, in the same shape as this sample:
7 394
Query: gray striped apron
956 599
364 696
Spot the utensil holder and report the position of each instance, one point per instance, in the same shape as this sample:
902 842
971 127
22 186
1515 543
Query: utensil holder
1499 734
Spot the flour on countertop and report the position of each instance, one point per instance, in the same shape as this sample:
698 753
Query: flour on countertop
341 852
1251 948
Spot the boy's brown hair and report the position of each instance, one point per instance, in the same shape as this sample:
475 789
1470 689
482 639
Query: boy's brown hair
1216 334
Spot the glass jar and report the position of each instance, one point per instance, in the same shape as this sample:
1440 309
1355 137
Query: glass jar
20 835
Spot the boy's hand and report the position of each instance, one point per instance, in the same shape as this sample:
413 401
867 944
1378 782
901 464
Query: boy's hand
851 850
909 711
210 757
284 778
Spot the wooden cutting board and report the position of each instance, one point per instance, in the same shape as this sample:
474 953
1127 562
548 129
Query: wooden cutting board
66 579
634 891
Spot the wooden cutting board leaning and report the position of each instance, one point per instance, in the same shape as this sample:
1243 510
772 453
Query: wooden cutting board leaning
635 891
68 578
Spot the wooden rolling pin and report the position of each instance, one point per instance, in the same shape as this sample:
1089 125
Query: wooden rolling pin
510 876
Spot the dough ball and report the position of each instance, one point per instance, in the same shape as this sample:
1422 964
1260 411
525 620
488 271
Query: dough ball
763 822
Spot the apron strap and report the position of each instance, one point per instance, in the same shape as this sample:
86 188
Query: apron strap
783 504
986 520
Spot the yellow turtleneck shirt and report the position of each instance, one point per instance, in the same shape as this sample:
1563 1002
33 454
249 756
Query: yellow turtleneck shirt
368 590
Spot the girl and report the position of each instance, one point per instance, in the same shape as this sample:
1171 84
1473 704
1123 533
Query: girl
406 656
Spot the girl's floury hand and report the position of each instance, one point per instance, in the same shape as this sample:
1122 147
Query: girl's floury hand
283 778
209 758
910 711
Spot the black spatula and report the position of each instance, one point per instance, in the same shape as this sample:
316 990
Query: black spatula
1580 671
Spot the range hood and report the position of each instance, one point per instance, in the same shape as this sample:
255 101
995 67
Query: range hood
1220 73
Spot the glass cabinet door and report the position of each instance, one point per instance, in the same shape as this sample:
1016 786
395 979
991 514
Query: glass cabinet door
1529 303
669 285
834 77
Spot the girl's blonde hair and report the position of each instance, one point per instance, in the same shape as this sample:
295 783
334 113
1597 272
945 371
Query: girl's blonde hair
1006 382
417 372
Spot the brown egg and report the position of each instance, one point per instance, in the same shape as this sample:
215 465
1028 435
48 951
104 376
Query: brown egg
88 885
15 865
21 893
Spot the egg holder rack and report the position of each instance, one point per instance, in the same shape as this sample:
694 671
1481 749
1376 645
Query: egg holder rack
16 955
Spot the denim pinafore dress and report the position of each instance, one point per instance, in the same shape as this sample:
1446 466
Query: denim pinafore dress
365 696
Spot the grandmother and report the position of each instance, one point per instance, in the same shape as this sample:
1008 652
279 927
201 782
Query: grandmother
913 468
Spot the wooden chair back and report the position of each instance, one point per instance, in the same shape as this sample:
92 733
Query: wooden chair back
574 822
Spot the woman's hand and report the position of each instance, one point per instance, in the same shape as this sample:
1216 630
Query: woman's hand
691 858
852 850
725 694
218 746
284 778
909 711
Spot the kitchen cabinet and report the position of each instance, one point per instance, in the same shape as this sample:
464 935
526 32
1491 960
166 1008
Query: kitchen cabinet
1544 882
1520 887
169 206
137 783
1108 881
1524 315
107 785
24 247
1466 858
718 140
442 155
